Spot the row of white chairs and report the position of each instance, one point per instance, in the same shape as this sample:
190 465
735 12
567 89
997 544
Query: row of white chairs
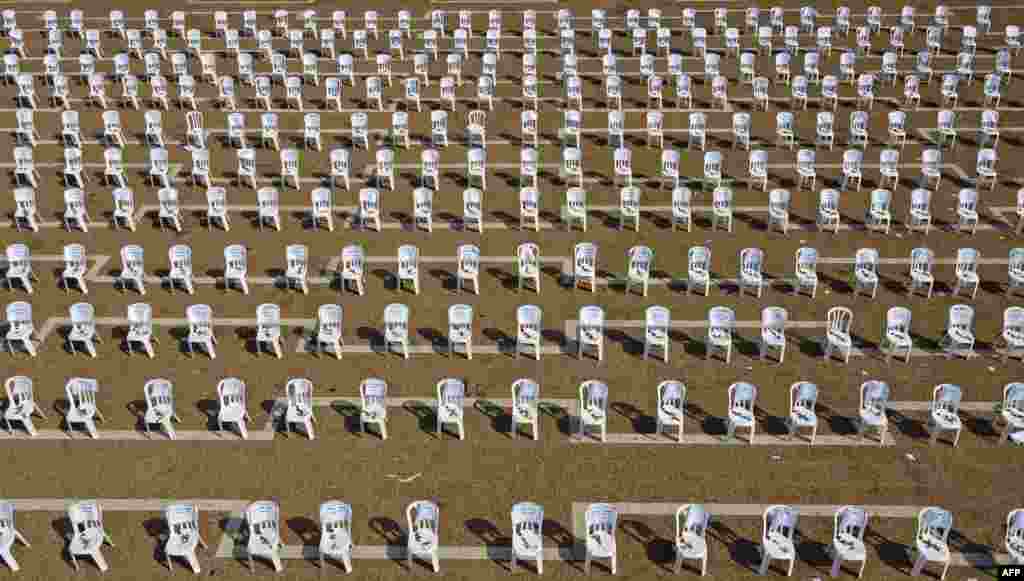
351 269
591 410
423 536
957 339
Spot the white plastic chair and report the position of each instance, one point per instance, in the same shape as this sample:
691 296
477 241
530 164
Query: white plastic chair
300 406
593 408
576 207
691 532
472 210
590 331
528 265
528 535
671 410
87 534
945 412
374 409
837 335
525 406
9 534
849 525
601 522
21 406
742 405
721 321
183 536
460 329
967 210
967 260
424 535
297 267
231 395
180 258
75 213
329 329
268 328
865 271
82 408
262 519
200 329
369 208
721 207
896 335
585 265
20 327
336 533
83 328
931 542
322 208
140 328
451 394
1012 412
468 267
803 401
773 331
159 394
132 268
874 401
19 267
698 271
396 326
959 334
236 267
778 528
26 210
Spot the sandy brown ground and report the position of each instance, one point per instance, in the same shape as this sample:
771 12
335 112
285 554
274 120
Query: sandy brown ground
476 481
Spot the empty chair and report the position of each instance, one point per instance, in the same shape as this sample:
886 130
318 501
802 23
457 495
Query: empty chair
931 542
262 519
742 401
297 267
140 328
824 131
967 210
629 207
758 168
183 535
986 168
721 207
656 331
374 410
236 267
528 265
806 270
88 534
132 268
967 271
878 213
472 210
82 408
585 265
778 528
690 540
778 209
336 533
83 328
170 211
460 329
9 534
200 329
803 401
805 169
329 329
423 539
217 208
322 208
682 211
945 411
590 331
159 394
852 160
20 327
180 258
300 406
920 210
268 328
26 210
671 411
874 400
21 406
450 401
865 271
773 331
751 264
897 333
468 267
75 213
1012 412
721 321
593 408
396 326
849 525
959 336
19 267
837 334
576 207
369 208
231 395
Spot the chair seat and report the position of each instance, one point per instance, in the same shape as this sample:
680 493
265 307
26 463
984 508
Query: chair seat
1013 417
829 215
82 334
459 335
779 547
181 544
582 270
524 413
86 542
298 413
231 414
968 277
803 418
849 548
839 338
920 215
423 542
157 415
932 551
773 337
262 546
967 214
268 334
873 417
946 419
19 334
600 544
691 546
670 415
336 543
19 412
922 277
593 416
741 417
959 336
656 335
527 542
136 335
720 337
449 413
75 272
898 339
81 414
867 276
702 275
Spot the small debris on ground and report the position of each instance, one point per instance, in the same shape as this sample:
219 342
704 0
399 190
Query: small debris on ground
910 457
405 480
776 457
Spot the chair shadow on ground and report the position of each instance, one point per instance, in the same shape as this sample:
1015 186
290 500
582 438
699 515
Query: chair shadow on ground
660 551
156 529
426 416
743 552
393 535
562 416
308 532
493 539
